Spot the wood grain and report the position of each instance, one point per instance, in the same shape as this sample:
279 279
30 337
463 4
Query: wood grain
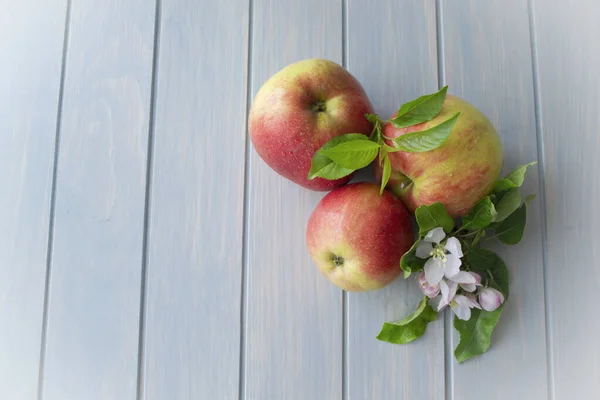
568 64
294 314
192 340
29 98
488 62
93 312
393 54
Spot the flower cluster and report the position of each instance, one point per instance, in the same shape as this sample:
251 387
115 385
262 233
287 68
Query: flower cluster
461 290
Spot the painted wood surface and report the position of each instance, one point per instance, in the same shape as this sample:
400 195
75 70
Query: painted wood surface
567 65
29 99
487 61
178 266
403 42
193 299
94 296
293 340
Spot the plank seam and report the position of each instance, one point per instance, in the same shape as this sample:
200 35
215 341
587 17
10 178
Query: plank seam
448 361
542 188
50 244
245 237
149 167
345 307
440 43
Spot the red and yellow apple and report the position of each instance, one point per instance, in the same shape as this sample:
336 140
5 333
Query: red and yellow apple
356 237
298 110
459 173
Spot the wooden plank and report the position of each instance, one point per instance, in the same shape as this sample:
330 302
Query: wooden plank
93 312
192 347
31 43
568 64
488 62
393 54
294 315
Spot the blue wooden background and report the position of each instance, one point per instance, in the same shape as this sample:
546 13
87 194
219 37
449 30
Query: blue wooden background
147 252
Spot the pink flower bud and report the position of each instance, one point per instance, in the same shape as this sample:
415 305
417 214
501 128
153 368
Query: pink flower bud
490 299
428 290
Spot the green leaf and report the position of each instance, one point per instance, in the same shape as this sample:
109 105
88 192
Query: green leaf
387 170
529 198
475 334
490 265
433 216
324 167
411 327
354 154
372 118
409 262
375 135
507 202
427 140
510 231
514 179
480 216
389 149
423 109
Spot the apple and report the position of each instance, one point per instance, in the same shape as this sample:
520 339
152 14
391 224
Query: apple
356 237
301 108
459 173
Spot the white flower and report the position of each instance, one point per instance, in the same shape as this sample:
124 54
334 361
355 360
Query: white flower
445 258
449 286
461 305
428 289
490 299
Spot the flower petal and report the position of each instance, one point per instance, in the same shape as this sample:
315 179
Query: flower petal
490 299
448 289
445 291
453 286
467 287
462 312
453 264
463 277
428 290
434 271
440 303
466 301
424 249
435 235
454 247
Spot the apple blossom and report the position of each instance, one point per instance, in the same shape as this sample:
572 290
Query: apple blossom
461 305
428 289
443 259
490 299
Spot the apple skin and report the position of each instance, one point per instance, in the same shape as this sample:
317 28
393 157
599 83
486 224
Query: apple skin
301 108
459 173
364 232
